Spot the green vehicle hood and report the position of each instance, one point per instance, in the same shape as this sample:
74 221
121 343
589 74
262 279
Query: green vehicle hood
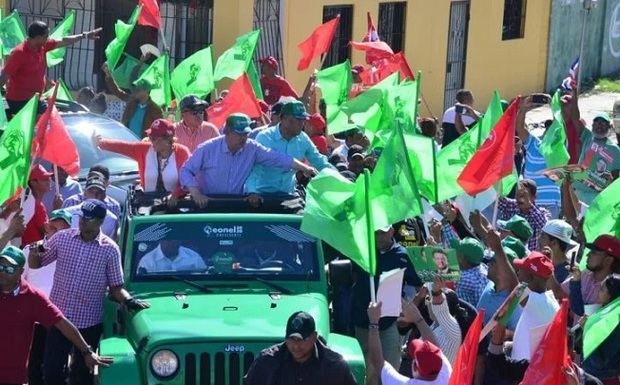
221 317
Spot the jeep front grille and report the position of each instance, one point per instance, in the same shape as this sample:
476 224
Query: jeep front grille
217 369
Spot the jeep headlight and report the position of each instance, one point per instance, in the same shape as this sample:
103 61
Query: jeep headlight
164 363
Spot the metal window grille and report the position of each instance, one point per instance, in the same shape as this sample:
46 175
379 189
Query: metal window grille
267 18
391 28
514 19
340 49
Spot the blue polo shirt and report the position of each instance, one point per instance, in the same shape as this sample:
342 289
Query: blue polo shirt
547 193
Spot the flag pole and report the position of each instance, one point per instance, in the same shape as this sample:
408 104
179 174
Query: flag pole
372 252
56 179
587 6
163 40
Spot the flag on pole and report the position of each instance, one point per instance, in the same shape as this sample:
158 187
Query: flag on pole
375 50
553 145
335 83
235 60
63 29
371 34
157 76
386 66
240 98
194 75
599 326
63 92
570 81
122 32
12 32
15 149
603 215
150 15
494 160
122 74
464 365
255 79
317 43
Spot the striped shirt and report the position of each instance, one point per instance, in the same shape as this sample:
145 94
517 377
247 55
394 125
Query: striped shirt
84 272
446 330
547 192
472 283
537 217
193 138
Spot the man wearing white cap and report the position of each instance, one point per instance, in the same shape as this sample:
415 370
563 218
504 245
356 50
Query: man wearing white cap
556 236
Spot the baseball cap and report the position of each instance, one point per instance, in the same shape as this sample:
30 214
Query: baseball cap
38 172
426 356
515 245
559 229
95 182
355 150
604 116
537 263
61 214
270 61
160 128
606 243
295 109
239 123
93 209
317 121
193 102
470 248
276 109
14 256
300 325
518 226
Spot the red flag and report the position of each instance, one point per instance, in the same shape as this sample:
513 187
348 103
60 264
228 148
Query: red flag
240 98
318 43
53 143
551 356
375 50
150 16
465 364
383 68
372 34
495 158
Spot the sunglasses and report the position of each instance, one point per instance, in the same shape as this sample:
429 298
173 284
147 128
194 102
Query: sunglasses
8 269
195 112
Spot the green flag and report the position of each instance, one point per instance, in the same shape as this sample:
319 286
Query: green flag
63 92
12 32
255 80
335 83
63 29
336 213
603 215
157 76
122 32
122 74
15 145
451 160
235 61
599 326
194 75
553 145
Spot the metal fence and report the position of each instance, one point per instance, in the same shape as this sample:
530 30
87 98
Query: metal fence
267 18
187 27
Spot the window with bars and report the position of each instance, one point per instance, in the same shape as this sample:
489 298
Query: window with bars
514 19
340 49
391 28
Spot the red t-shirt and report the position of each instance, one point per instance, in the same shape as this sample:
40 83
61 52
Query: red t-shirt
18 316
275 88
34 228
26 71
320 142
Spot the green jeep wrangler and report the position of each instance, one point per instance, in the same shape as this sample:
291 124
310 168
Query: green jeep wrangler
227 295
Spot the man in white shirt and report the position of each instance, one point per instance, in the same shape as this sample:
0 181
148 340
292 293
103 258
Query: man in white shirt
459 118
540 308
428 365
169 256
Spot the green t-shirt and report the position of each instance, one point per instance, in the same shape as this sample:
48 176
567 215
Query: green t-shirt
600 156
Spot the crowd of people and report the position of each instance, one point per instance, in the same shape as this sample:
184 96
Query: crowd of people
60 261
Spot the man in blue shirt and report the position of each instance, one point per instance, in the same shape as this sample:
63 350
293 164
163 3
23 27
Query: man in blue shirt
221 165
67 187
287 137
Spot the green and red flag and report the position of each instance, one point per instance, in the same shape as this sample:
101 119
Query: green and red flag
317 43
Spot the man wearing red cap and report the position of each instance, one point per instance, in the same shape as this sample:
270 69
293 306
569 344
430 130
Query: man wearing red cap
540 306
428 365
39 184
274 86
315 129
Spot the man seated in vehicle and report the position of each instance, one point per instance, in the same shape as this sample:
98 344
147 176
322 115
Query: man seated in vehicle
221 165
168 256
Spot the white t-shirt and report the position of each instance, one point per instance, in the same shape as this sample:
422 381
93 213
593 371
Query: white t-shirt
536 316
187 260
41 278
169 173
390 376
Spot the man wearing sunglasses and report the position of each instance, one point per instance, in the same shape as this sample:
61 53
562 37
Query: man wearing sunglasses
193 129
21 307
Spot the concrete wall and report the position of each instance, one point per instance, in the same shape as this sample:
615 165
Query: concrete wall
512 67
610 56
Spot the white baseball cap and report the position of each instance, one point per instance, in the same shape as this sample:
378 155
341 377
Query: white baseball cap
559 229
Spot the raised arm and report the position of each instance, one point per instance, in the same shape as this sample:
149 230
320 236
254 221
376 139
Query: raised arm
112 86
69 40
507 278
524 106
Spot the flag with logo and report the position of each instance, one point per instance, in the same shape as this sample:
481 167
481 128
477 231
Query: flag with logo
317 43
157 76
12 32
63 29
194 75
122 32
553 145
235 60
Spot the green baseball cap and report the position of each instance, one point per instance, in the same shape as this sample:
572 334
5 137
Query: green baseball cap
295 109
14 256
515 245
470 248
239 123
518 226
61 214
604 116
510 254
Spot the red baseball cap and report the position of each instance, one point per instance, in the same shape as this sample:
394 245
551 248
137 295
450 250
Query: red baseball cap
607 244
317 121
161 128
426 355
270 61
537 263
38 172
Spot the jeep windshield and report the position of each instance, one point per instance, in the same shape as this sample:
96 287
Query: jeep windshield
226 250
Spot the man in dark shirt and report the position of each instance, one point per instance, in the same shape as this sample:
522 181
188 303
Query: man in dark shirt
301 359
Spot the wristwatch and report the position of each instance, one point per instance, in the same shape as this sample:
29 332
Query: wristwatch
88 351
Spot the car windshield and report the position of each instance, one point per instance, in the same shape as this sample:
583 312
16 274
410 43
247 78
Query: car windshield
223 250
81 128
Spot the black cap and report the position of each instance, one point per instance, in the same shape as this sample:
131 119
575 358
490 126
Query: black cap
300 325
355 149
193 102
276 109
